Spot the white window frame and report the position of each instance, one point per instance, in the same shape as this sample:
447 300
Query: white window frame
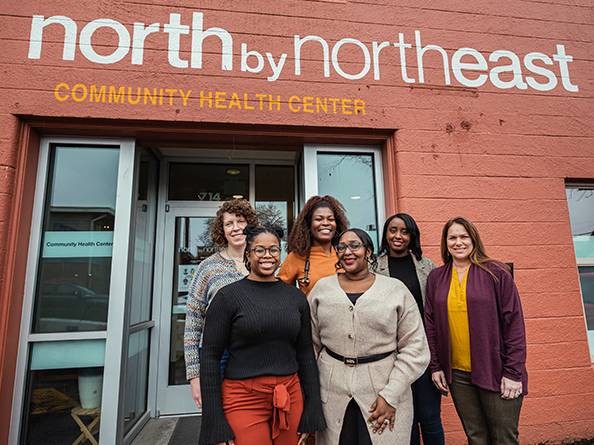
310 167
583 262
116 334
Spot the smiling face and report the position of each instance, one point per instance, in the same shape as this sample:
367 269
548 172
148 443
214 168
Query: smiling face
398 238
353 261
233 226
262 269
323 226
459 244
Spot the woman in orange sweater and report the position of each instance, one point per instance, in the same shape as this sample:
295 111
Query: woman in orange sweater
310 243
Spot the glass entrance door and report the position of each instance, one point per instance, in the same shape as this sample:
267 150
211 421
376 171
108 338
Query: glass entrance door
187 243
190 198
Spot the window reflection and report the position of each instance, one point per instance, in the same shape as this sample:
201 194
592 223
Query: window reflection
350 178
136 379
193 244
208 182
587 285
581 214
65 384
275 195
580 202
72 293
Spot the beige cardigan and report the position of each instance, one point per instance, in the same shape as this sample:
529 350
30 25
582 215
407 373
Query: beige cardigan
384 319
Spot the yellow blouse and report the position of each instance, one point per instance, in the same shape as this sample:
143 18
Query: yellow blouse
458 322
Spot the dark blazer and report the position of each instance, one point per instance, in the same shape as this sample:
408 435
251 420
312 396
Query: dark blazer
495 321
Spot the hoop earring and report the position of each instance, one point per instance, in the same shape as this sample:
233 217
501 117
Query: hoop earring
335 234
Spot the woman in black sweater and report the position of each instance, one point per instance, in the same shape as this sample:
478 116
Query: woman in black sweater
271 391
401 257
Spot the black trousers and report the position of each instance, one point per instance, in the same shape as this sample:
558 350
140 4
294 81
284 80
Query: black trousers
354 427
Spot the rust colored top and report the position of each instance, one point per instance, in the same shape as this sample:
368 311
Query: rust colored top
320 266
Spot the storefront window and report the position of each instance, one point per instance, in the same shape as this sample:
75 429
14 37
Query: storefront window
275 198
144 242
349 177
193 244
72 292
580 202
136 378
64 391
208 182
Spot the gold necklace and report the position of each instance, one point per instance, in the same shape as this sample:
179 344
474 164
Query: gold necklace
231 258
461 271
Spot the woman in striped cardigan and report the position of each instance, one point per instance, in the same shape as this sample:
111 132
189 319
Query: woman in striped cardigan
215 272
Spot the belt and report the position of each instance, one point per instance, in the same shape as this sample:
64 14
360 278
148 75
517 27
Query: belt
354 361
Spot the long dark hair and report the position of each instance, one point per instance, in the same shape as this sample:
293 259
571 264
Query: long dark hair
415 235
367 244
478 256
252 231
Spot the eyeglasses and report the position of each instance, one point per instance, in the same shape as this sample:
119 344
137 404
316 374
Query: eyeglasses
341 248
260 251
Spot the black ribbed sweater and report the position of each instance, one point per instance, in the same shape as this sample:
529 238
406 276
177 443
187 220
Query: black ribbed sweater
266 328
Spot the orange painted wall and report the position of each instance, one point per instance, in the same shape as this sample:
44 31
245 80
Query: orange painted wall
498 156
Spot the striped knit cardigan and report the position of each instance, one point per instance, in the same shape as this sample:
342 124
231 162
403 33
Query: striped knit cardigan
212 274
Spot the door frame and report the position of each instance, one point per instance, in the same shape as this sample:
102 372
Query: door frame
162 286
172 400
111 424
310 167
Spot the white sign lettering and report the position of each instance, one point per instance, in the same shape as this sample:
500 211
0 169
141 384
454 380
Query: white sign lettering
468 65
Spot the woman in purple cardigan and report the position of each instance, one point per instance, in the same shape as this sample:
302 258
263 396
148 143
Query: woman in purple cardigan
475 330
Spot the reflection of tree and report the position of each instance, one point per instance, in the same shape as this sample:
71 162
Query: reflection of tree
204 239
580 193
581 218
336 160
358 170
270 215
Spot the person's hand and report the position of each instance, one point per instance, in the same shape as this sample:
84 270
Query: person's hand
439 380
196 394
510 389
380 412
302 438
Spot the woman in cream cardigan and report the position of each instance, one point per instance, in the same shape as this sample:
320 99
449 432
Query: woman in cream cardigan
371 346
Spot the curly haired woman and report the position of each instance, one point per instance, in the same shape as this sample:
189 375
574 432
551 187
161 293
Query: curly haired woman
218 270
310 244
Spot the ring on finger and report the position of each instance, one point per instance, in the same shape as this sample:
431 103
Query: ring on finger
387 421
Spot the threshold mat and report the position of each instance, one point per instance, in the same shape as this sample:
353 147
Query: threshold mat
186 431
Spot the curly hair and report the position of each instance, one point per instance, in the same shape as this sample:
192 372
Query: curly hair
478 256
240 207
300 238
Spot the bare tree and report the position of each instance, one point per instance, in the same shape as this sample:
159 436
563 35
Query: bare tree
270 215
